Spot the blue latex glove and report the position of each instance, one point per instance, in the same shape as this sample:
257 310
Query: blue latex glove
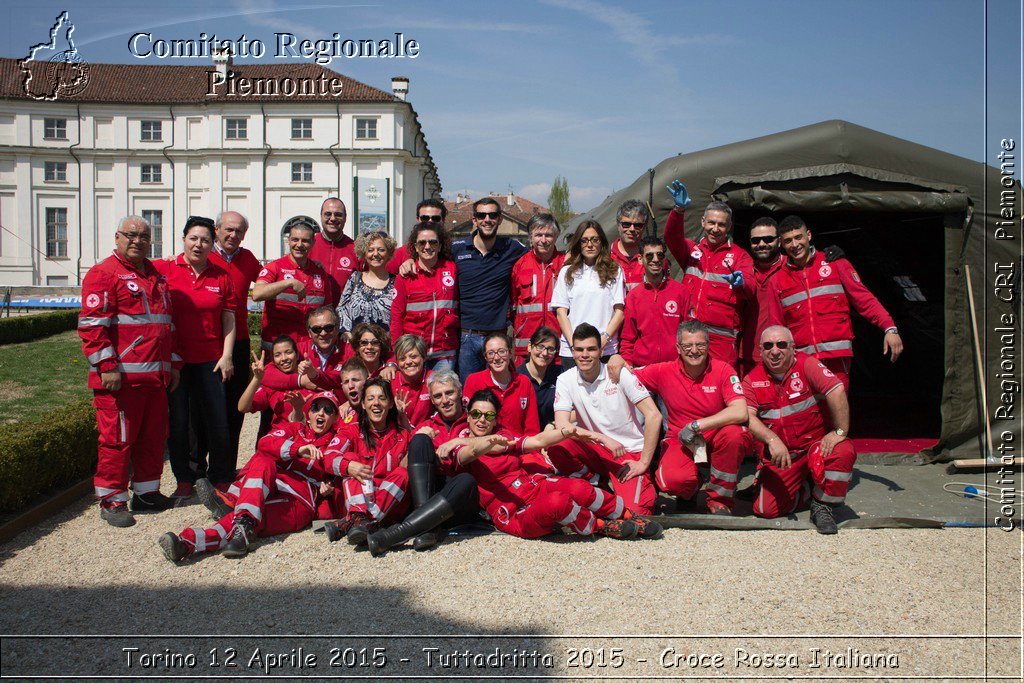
735 278
679 193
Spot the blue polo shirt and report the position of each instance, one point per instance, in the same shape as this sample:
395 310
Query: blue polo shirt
485 281
545 391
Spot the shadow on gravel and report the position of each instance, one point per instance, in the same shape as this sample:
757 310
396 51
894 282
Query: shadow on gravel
301 632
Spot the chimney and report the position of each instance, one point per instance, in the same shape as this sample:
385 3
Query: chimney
511 198
400 86
222 60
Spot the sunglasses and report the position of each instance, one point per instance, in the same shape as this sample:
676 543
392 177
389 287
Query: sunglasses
321 329
626 225
427 243
767 346
430 219
765 239
490 415
368 342
654 256
323 407
480 215
334 214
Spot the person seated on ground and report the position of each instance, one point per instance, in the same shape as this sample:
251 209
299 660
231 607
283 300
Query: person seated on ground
624 417
784 396
707 418
521 504
372 345
285 405
353 378
410 384
519 413
372 467
277 492
542 372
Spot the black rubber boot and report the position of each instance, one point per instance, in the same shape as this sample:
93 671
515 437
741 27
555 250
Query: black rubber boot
423 484
429 515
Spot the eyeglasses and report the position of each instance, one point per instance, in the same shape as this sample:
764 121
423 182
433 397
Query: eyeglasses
334 214
626 225
500 353
654 256
490 415
546 350
767 346
322 329
364 343
323 407
764 238
480 215
590 241
132 236
430 219
700 346
427 243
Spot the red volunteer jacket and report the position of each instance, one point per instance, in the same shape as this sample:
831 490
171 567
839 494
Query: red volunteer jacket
652 316
298 477
532 285
384 457
791 407
814 303
427 305
420 406
632 267
751 335
125 323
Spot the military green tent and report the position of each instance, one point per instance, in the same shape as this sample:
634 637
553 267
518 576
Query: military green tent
910 218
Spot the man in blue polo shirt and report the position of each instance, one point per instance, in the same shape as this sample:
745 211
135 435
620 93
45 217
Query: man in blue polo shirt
484 262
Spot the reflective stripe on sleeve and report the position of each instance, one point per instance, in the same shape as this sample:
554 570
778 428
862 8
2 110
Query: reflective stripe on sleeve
841 345
93 322
101 355
143 319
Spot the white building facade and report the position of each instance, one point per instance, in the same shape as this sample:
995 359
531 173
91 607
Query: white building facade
71 168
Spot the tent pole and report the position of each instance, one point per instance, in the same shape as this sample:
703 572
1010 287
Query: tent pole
980 363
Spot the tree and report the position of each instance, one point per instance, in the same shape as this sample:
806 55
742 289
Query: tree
558 200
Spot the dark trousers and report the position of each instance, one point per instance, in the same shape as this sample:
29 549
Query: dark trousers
460 491
233 390
199 384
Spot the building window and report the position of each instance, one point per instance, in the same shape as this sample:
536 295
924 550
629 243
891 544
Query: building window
156 225
56 233
302 129
56 172
236 129
151 173
55 129
302 171
57 281
366 129
152 131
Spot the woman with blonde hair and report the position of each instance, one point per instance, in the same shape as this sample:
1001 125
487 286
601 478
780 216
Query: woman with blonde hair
367 295
591 289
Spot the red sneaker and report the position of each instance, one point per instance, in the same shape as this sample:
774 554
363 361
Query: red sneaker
719 509
624 529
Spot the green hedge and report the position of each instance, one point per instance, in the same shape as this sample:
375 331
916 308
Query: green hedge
255 325
28 327
45 454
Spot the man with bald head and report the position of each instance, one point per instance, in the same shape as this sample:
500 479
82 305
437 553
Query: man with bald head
335 250
798 410
243 268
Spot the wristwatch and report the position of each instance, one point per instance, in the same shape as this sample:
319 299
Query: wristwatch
840 432
695 426
892 329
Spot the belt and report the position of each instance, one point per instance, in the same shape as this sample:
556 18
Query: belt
482 333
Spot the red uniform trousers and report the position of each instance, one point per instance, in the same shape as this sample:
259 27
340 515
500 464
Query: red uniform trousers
132 424
677 473
594 463
281 515
559 502
782 491
382 499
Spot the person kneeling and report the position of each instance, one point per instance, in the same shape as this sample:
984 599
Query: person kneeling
373 466
275 493
521 504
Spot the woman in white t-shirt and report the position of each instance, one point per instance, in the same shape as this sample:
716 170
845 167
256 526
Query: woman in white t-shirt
590 289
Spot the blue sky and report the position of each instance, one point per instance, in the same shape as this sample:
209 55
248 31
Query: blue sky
512 94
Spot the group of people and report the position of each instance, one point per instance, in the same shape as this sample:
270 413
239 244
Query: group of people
404 389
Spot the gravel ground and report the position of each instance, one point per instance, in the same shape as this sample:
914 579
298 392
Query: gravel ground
588 608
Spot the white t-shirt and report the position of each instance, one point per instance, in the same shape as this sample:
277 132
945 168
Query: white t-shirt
605 407
589 302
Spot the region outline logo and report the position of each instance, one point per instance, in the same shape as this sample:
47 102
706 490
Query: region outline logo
66 73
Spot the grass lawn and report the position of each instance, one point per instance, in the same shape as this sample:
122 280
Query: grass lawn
38 376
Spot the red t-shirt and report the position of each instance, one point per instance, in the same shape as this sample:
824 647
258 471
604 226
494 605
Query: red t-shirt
197 302
688 398
420 406
518 415
338 259
243 268
286 314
